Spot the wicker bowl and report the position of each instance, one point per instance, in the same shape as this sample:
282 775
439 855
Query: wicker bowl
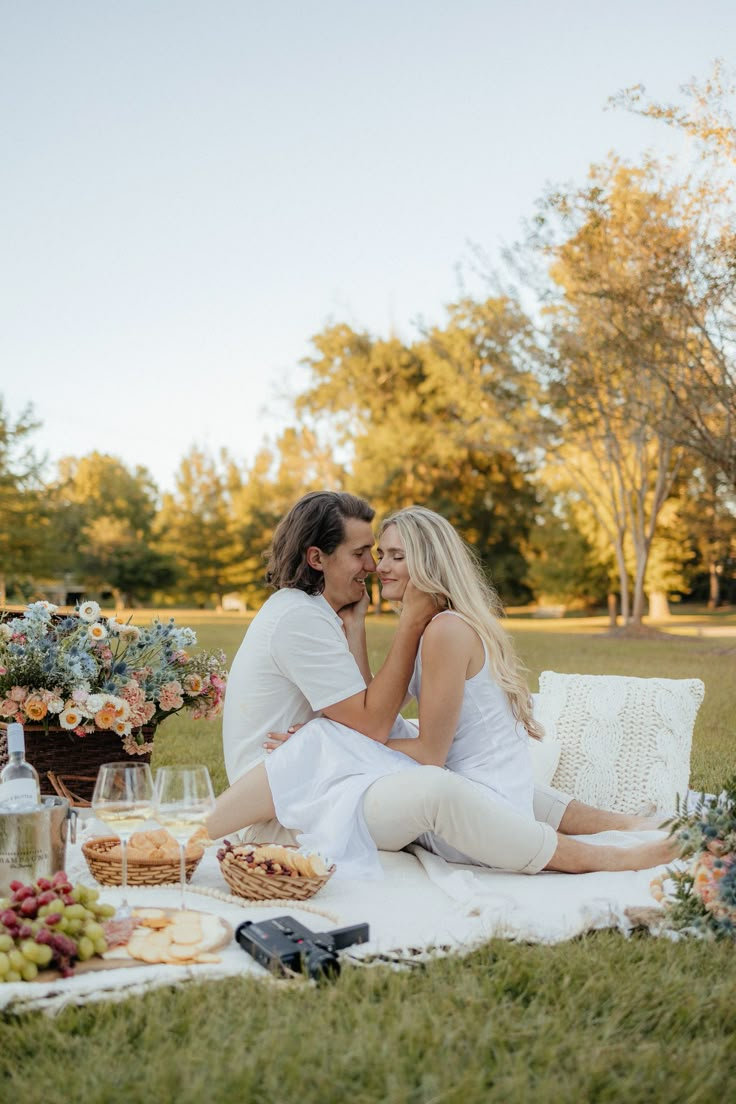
257 886
141 871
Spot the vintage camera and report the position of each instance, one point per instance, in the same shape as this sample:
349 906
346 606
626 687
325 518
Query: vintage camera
285 942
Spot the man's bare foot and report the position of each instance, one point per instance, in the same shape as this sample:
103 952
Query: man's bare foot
576 857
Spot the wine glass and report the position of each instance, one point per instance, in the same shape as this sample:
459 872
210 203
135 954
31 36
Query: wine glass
184 800
123 799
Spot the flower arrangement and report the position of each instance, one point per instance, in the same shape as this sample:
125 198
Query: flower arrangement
88 673
699 897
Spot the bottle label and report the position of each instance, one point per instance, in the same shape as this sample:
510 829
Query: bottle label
21 791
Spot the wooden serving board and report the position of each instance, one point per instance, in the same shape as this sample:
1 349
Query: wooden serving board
117 959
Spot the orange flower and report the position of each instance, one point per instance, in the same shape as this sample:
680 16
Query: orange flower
35 708
105 718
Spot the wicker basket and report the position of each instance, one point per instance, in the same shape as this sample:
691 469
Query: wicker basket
256 886
67 764
141 872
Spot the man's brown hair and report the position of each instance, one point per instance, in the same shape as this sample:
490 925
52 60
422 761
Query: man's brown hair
316 520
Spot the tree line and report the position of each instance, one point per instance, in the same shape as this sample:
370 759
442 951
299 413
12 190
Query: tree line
576 423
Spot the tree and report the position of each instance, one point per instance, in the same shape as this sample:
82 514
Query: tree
703 390
194 526
103 520
616 252
564 564
707 509
24 522
277 478
439 422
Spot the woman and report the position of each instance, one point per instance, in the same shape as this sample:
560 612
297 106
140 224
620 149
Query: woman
474 719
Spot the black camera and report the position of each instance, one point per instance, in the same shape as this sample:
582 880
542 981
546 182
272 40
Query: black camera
285 942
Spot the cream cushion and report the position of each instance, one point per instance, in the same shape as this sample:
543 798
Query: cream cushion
545 753
624 742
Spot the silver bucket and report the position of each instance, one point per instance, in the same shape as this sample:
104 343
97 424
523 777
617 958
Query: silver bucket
33 843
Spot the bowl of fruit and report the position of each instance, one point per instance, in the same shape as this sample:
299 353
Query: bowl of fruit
50 924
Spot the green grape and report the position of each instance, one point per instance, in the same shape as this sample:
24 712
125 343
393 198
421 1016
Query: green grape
29 971
85 948
4 964
16 959
44 955
13 975
94 930
75 912
106 911
29 950
74 925
6 941
100 945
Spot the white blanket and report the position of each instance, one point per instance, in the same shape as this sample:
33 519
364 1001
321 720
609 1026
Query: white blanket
422 906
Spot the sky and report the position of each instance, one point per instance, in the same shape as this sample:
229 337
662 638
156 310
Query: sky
190 190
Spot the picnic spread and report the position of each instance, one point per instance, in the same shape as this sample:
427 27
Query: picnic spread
422 906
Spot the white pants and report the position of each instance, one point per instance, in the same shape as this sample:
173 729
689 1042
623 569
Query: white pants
401 807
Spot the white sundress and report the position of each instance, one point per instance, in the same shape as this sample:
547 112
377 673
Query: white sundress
319 777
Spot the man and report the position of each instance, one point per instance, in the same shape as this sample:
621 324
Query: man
305 655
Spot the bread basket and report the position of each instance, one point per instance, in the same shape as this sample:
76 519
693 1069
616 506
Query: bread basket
108 869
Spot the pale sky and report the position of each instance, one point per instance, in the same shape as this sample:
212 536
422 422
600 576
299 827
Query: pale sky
190 190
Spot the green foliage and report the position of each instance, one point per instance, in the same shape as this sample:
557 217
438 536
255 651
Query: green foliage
563 565
194 526
24 530
443 421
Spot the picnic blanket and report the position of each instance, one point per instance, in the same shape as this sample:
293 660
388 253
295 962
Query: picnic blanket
422 906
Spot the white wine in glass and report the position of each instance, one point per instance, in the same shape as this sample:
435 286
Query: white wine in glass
123 800
184 801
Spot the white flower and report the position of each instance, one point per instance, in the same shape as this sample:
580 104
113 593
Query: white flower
114 626
89 611
94 704
130 633
5 631
55 705
71 717
97 631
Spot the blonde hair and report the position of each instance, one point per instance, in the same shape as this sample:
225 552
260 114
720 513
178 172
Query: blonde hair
441 564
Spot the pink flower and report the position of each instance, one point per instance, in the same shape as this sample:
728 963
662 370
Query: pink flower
170 696
80 696
18 693
3 670
8 708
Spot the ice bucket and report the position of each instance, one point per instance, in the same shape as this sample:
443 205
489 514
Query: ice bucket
33 843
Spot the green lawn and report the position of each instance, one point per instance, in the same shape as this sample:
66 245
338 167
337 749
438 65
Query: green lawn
599 1019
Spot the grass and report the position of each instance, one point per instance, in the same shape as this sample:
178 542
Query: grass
598 1019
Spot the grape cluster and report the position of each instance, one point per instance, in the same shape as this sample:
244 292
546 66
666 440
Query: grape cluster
49 923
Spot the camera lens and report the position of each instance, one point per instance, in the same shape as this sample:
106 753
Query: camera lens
321 964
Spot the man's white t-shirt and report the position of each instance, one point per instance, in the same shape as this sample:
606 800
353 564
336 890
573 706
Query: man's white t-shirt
293 662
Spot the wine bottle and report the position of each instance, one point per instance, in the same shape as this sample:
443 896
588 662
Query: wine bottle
19 785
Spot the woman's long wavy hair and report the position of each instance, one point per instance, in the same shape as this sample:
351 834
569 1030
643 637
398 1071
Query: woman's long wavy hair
441 564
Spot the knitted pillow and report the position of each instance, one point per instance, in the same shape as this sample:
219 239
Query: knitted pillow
625 742
545 753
